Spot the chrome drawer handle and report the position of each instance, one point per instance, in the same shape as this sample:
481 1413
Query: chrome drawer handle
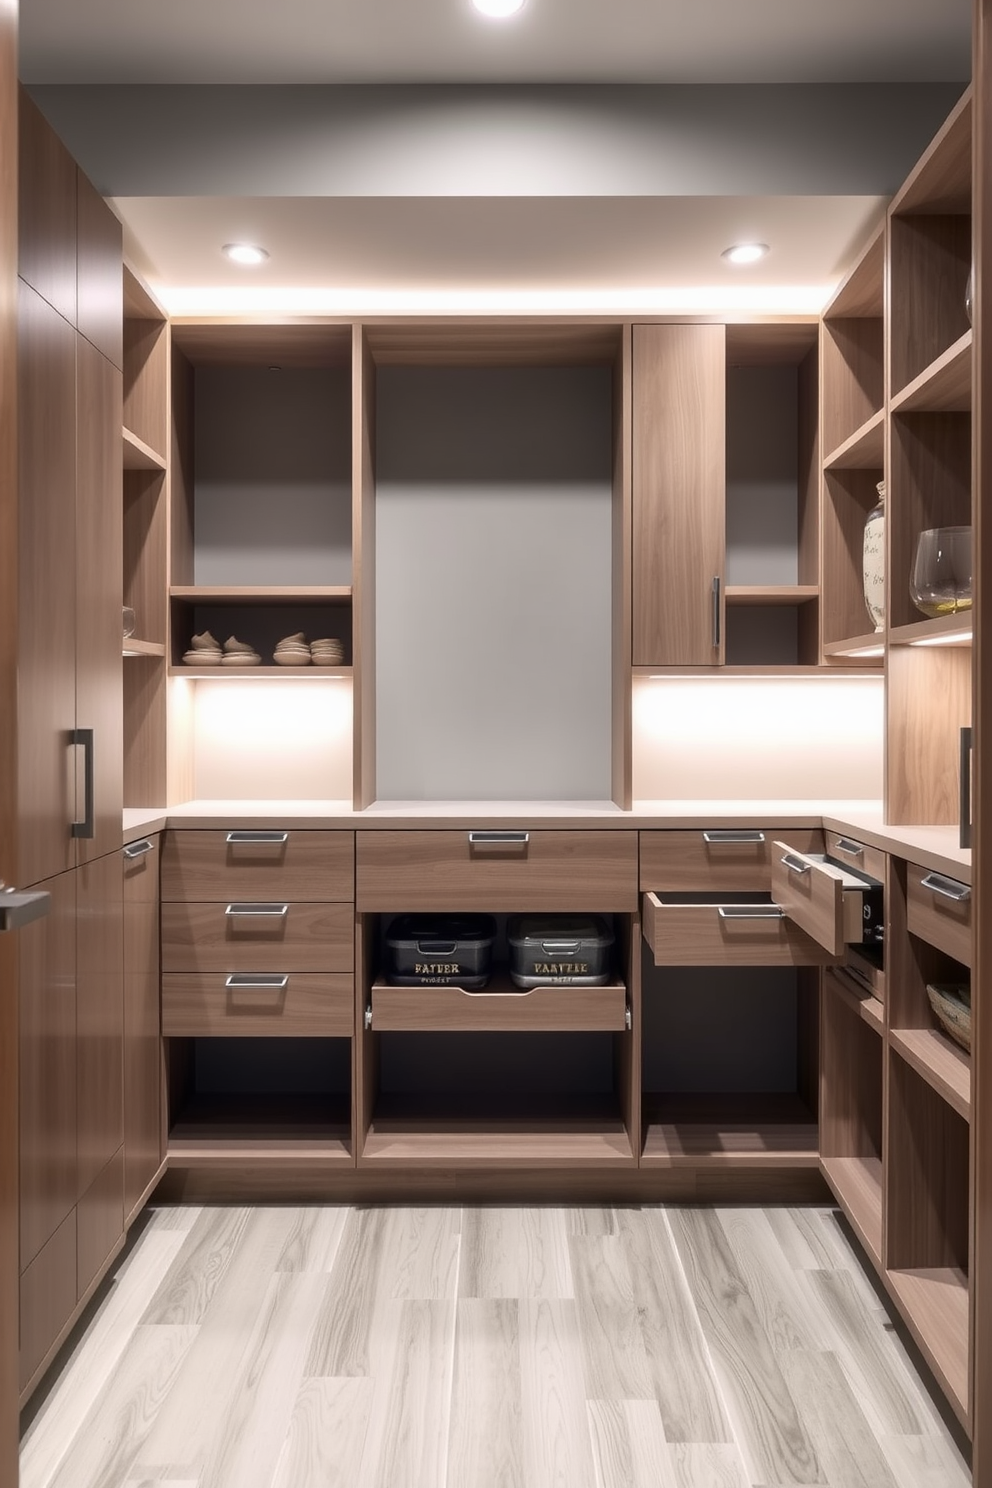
250 911
138 849
731 834
794 864
258 837
482 838
948 888
750 912
853 849
240 982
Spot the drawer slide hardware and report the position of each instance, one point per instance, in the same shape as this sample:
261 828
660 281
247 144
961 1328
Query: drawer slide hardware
239 982
948 888
253 911
235 837
733 834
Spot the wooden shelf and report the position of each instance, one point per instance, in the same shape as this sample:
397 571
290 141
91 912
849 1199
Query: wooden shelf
947 630
238 594
934 1302
134 647
863 450
941 179
137 455
218 1131
864 645
771 594
941 1063
857 998
857 1184
943 387
499 1007
410 1133
211 673
861 295
729 1131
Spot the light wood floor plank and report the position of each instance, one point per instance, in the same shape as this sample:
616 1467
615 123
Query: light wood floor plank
326 1438
791 1317
925 1462
514 1252
589 1221
406 1444
628 1443
557 1445
683 1379
614 1361
768 1428
486 1441
851 1454
708 1465
175 1216
104 1452
341 1342
314 1240
420 1253
188 1289
821 1231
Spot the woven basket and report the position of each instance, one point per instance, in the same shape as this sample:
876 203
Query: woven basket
951 1003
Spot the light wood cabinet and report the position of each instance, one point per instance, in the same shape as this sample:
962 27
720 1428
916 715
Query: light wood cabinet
46 211
143 1054
99 1016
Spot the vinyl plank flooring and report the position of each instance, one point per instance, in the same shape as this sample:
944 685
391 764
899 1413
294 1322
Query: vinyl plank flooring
925 1462
614 1360
326 1437
817 1239
342 1336
515 1252
850 1452
790 1317
406 1444
175 1216
199 1270
628 1443
708 1465
485 1448
590 1221
313 1242
557 1447
768 1427
682 1376
420 1254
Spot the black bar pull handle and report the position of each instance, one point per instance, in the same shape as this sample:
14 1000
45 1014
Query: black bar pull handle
964 789
86 827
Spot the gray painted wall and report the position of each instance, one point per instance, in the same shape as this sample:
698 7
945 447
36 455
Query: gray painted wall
762 475
493 580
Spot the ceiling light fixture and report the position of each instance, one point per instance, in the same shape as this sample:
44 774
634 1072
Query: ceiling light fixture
745 253
245 253
498 9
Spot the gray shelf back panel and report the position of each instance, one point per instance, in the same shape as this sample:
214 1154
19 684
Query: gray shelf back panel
493 583
762 475
272 476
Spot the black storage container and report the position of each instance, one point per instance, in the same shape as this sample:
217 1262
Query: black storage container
440 950
571 949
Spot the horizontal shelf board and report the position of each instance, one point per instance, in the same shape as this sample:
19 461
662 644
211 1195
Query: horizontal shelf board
935 1304
941 1063
212 673
862 294
863 450
729 1131
137 455
948 630
219 1130
943 387
857 998
412 1132
941 180
501 1007
857 1183
711 673
771 594
134 647
873 641
250 341
289 594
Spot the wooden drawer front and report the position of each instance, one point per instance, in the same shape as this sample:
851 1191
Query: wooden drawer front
814 897
307 1006
727 858
462 870
142 862
544 1009
938 910
308 937
700 935
308 867
854 854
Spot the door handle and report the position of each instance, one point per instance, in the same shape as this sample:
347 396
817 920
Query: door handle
17 909
716 612
86 827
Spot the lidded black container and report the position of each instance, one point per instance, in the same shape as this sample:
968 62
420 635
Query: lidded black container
569 949
440 950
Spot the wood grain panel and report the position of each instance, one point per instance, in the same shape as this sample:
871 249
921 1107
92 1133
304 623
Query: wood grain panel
862 293
48 1296
99 593
99 1015
852 376
47 1075
939 920
99 1221
309 937
813 898
99 273
930 257
363 434
146 367
860 856
488 341
180 462
928 702
697 935
46 705
678 470
547 1009
145 729
929 485
621 763
442 870
248 341
309 1006
308 866
143 1061
941 180
145 551
46 212
850 1082
685 859
926 1175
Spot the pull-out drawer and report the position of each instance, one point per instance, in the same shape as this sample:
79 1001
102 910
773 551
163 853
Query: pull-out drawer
257 936
500 1008
938 910
258 1004
717 858
725 929
826 901
256 863
497 871
854 854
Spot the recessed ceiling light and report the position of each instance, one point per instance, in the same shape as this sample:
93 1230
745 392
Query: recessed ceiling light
245 253
498 8
745 253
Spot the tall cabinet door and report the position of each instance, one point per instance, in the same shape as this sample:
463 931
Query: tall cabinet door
46 704
99 595
100 1015
143 1113
679 484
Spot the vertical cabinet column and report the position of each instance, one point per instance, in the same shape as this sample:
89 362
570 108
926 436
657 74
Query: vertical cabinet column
143 1057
